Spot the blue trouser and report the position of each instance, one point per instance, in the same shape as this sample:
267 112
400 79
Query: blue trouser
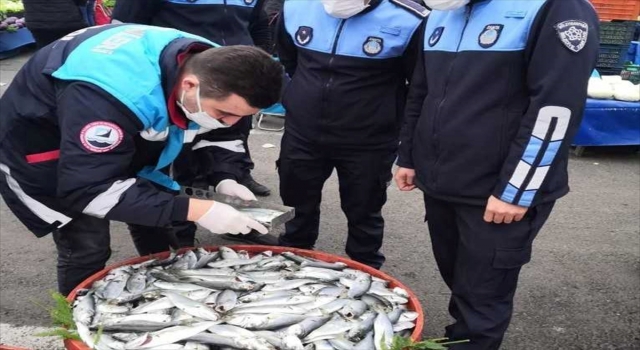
480 263
363 175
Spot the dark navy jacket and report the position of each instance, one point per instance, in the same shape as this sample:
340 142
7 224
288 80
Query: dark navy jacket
349 76
225 22
89 125
497 96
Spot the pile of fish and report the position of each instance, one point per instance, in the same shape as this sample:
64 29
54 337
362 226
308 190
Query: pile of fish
229 300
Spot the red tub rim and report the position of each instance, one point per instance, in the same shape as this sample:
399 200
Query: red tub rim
413 305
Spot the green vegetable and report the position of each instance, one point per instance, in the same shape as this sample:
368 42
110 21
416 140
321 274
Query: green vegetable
62 317
400 343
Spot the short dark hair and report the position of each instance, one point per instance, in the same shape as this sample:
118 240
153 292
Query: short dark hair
244 70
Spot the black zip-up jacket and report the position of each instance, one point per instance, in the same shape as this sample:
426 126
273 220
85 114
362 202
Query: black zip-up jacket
54 14
497 96
225 22
349 77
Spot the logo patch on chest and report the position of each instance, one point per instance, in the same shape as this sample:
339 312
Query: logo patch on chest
490 35
573 34
248 2
304 35
435 36
373 46
100 137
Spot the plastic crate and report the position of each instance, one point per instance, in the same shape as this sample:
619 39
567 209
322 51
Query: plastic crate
617 33
612 56
617 9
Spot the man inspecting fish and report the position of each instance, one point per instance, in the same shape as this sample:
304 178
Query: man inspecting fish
91 124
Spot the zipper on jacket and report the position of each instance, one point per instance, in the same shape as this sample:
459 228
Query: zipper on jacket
327 85
446 88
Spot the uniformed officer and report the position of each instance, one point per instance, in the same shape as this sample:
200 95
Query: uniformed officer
497 96
229 22
349 61
90 124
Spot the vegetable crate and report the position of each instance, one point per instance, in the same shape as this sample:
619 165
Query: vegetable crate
612 56
617 33
617 9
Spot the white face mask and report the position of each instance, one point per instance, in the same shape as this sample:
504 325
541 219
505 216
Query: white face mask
445 5
201 117
344 8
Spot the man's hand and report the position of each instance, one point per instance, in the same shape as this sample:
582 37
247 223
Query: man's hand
502 212
234 189
404 179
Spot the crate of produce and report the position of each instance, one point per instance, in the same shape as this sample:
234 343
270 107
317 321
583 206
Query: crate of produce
242 293
617 33
617 9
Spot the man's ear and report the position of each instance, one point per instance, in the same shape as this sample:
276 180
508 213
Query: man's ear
189 81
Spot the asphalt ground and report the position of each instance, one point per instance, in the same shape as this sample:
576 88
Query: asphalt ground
580 291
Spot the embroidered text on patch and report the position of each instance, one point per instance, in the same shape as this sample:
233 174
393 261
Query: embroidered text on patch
573 34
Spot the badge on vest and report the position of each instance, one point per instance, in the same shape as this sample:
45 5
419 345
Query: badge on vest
490 35
100 137
573 34
435 36
304 35
373 46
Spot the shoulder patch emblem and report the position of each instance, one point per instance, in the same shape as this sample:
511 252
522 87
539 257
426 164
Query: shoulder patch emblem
435 36
573 34
490 35
304 35
100 137
373 46
413 7
248 2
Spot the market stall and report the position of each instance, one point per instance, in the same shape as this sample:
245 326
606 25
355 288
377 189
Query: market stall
612 113
14 34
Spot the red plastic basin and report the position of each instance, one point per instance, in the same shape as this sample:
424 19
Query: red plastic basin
413 305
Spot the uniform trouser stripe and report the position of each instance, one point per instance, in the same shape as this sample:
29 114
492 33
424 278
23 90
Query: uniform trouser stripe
105 201
45 213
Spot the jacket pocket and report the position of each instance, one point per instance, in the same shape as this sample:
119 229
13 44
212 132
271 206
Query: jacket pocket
511 258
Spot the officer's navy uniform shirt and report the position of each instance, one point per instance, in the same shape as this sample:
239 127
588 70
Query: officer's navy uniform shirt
349 76
497 96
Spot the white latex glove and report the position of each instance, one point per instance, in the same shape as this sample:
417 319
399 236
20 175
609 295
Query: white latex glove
234 189
222 218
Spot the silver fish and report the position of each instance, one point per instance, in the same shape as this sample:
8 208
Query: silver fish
280 301
159 304
360 286
324 265
382 332
363 327
341 344
281 341
354 309
265 295
329 330
394 315
403 326
192 307
116 286
84 309
228 253
287 285
264 322
137 282
291 309
307 326
367 343
205 259
142 323
104 308
177 286
168 336
408 316
254 343
226 301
